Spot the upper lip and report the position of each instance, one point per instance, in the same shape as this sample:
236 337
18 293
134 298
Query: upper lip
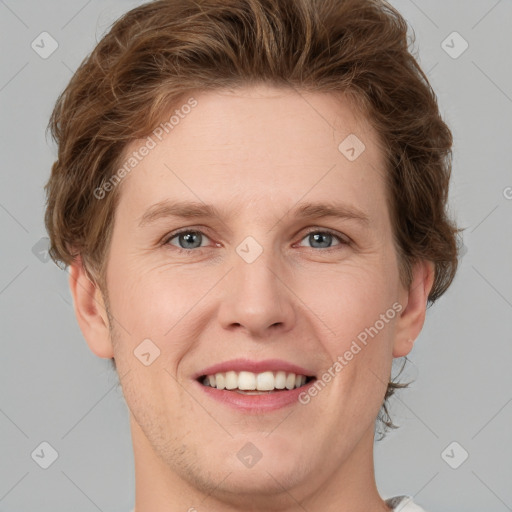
239 365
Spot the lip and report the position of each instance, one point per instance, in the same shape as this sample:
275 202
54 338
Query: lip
255 404
239 365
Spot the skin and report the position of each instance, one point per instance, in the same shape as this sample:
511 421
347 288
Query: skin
254 153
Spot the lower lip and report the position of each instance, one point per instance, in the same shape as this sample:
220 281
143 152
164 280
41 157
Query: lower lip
256 403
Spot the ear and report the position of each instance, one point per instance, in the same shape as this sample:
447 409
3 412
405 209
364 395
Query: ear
414 302
90 310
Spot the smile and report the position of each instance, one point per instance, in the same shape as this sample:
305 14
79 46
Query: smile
246 382
254 387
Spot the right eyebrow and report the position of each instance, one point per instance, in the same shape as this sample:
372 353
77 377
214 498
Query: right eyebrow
184 209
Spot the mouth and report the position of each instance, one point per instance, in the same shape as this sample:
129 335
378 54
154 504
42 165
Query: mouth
255 387
250 383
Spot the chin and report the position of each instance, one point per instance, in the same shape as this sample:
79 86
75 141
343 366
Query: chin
263 471
260 485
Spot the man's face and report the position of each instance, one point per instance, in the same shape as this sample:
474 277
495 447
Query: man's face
257 283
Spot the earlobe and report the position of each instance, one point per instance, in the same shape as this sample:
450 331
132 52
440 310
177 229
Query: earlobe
90 310
412 317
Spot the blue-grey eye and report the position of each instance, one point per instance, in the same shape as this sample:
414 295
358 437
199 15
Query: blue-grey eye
188 239
322 239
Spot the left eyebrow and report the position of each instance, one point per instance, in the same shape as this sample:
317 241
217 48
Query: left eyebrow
318 210
193 209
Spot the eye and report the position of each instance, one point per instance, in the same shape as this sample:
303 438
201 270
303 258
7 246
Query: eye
187 239
324 239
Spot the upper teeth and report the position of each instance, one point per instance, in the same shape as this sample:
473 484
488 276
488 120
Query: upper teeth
266 381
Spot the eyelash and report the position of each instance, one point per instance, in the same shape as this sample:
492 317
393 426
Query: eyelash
166 241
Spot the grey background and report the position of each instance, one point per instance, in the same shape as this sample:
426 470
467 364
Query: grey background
54 389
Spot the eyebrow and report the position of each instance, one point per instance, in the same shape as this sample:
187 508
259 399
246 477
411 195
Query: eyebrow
194 210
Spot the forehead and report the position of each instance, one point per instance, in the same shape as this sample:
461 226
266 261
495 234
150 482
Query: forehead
258 148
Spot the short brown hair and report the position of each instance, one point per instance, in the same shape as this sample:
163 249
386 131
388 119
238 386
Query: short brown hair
156 54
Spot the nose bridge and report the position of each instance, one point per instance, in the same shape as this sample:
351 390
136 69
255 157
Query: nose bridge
256 297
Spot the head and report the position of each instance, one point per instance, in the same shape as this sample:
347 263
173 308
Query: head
262 114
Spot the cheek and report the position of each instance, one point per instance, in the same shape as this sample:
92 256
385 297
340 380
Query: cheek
151 300
360 309
160 304
363 314
350 300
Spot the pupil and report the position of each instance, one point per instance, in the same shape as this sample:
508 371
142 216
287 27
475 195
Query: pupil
188 237
317 236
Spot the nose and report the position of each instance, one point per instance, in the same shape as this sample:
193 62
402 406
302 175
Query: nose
258 297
